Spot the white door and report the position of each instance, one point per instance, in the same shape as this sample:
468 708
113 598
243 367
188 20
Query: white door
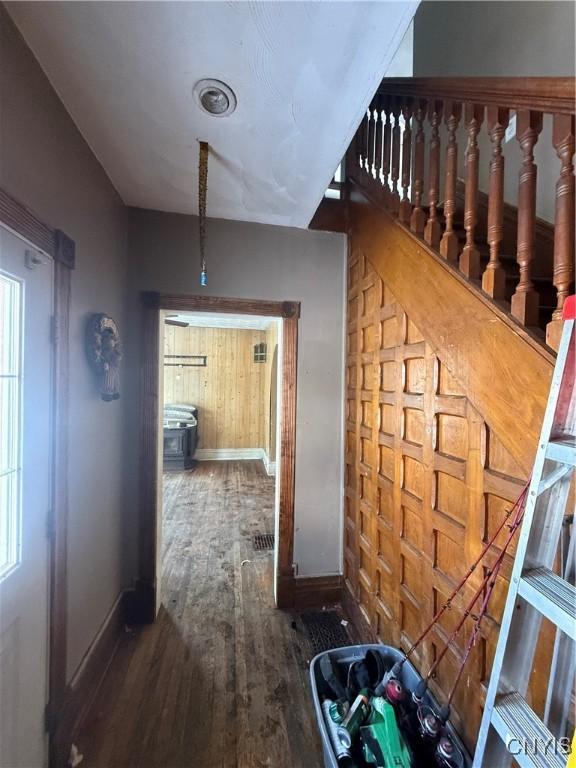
25 474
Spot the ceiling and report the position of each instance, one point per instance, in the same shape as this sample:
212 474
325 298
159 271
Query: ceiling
216 320
303 74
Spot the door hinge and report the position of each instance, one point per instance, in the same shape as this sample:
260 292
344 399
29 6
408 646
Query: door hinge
50 719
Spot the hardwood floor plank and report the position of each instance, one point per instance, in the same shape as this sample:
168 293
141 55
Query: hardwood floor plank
220 680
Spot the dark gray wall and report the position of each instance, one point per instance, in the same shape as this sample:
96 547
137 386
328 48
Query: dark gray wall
462 38
501 39
278 263
45 163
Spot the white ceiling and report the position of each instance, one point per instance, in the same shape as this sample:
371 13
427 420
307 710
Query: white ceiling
216 320
303 73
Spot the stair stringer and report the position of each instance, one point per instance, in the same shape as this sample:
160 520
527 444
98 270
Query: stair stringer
504 372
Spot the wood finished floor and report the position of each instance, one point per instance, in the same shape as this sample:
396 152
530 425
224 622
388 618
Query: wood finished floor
221 679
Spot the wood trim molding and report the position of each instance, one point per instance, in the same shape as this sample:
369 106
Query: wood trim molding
20 219
61 248
152 303
285 309
82 690
287 459
316 591
546 94
512 361
363 195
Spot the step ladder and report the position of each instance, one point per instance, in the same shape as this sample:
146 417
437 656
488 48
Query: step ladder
510 729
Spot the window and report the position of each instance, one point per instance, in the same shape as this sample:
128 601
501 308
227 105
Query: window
260 353
10 421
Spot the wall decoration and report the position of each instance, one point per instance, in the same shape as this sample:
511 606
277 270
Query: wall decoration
104 354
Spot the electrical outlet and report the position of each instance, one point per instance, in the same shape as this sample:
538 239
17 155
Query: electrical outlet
511 130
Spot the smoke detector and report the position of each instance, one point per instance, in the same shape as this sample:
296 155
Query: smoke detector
215 97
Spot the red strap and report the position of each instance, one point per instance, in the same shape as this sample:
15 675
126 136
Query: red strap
569 310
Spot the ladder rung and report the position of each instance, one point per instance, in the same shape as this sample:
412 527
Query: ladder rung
514 719
563 451
553 596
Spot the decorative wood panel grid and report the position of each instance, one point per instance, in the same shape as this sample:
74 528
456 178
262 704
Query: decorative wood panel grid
427 481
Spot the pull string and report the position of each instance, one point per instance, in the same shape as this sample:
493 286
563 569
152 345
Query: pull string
448 604
202 194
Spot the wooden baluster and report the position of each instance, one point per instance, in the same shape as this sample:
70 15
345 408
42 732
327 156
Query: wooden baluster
405 205
494 277
563 140
470 257
449 243
362 140
433 229
525 299
378 141
418 218
386 151
370 140
395 174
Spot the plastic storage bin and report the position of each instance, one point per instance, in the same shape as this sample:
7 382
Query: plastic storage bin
409 679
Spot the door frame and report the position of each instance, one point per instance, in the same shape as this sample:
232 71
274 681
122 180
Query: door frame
153 303
55 243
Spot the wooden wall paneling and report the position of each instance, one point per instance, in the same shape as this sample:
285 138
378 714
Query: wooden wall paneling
228 391
420 508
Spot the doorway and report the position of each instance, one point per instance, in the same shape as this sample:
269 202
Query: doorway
218 443
26 307
156 308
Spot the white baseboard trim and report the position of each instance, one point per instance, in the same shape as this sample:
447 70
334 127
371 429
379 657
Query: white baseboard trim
237 454
228 454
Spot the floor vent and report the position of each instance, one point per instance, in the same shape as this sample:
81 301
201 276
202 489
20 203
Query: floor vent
263 541
325 630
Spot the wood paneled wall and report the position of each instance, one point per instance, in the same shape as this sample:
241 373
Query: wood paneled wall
427 481
231 392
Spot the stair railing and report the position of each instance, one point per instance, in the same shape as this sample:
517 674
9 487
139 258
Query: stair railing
408 152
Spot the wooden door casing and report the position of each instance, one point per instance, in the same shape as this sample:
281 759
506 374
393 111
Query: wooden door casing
426 483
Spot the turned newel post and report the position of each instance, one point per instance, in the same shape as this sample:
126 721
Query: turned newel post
525 299
563 140
395 173
405 206
418 218
449 243
433 229
494 277
387 143
470 257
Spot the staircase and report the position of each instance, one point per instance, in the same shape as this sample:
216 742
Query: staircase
523 264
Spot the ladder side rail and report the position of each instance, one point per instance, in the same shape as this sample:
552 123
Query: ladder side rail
490 750
563 661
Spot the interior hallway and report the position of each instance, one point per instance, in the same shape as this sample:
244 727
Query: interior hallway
221 679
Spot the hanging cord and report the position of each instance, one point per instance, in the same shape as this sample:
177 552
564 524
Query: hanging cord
202 193
519 503
474 634
492 572
487 583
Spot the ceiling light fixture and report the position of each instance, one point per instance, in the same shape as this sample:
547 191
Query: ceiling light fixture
215 97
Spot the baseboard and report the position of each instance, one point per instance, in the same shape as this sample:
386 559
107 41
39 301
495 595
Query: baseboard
269 466
67 719
228 454
315 591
